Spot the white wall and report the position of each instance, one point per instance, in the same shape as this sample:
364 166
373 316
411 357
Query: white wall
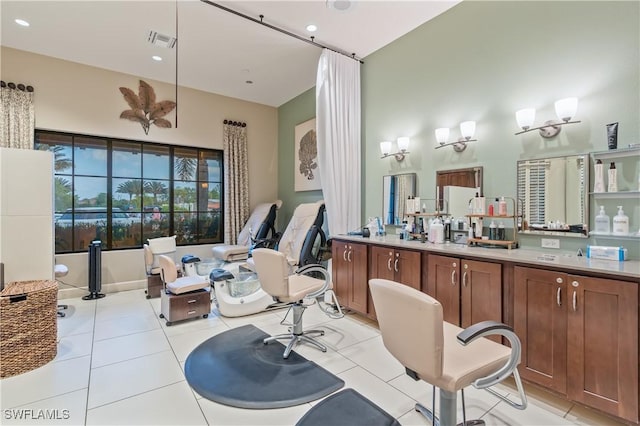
76 98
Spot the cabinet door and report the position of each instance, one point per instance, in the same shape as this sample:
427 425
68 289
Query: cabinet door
359 284
341 272
480 293
603 345
443 276
540 321
382 262
406 265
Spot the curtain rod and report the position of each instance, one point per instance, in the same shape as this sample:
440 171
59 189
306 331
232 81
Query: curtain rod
283 31
19 86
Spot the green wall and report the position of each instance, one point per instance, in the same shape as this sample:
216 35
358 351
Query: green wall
483 61
294 112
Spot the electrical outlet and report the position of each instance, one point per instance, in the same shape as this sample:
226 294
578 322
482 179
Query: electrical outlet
550 243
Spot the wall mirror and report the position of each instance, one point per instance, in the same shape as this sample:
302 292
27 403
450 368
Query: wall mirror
395 191
552 194
465 178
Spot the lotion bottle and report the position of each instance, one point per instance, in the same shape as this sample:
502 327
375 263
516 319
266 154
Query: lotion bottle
603 224
613 178
598 185
620 223
502 207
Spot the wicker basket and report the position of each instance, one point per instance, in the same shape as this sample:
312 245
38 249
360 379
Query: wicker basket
28 326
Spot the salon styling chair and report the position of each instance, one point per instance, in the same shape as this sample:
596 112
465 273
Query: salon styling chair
276 279
439 353
258 231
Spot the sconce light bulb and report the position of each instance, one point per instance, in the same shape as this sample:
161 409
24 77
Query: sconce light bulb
468 129
525 118
442 135
385 147
403 143
566 108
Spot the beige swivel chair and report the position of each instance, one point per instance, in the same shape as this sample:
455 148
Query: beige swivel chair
260 224
446 356
276 279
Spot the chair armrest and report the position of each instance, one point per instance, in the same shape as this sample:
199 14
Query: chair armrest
313 267
480 329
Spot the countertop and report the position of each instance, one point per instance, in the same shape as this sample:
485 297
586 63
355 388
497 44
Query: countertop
566 261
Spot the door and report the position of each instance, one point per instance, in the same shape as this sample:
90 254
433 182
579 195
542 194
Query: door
359 285
382 262
481 293
443 275
407 268
603 345
540 321
341 271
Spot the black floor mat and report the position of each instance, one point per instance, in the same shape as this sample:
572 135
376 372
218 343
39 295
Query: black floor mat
235 368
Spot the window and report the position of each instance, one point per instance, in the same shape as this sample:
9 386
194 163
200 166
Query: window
124 192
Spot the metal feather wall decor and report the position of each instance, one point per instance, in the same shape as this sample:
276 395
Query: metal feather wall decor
144 108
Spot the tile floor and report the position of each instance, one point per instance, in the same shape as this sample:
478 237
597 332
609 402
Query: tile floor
118 363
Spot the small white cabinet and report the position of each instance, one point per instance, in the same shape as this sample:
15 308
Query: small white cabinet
627 163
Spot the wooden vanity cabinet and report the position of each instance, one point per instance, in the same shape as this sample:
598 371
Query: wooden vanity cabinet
579 337
350 279
470 291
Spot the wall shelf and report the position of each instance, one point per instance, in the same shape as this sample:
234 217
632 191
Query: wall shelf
617 153
631 236
619 194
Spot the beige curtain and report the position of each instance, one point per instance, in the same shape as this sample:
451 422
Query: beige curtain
17 113
236 179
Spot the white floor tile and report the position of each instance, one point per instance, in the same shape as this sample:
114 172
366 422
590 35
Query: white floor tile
66 409
380 393
74 346
169 405
115 310
128 347
331 360
345 332
218 414
78 319
504 414
181 327
375 358
128 324
52 379
128 378
183 344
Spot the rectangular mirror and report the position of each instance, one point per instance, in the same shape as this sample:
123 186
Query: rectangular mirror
552 194
466 178
395 191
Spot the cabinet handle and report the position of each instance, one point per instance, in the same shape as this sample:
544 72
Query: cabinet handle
464 279
558 300
395 265
191 301
453 277
344 254
349 255
575 300
389 264
191 312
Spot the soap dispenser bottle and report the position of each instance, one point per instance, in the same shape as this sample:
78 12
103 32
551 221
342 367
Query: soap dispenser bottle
620 223
598 185
613 178
603 224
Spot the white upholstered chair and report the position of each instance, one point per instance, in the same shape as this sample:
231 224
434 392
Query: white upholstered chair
448 357
276 279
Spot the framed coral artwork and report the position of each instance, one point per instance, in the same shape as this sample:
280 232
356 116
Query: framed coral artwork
306 173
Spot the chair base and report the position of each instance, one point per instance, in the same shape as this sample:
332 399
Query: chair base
297 334
448 408
60 308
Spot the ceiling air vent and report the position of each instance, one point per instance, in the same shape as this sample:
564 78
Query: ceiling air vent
161 40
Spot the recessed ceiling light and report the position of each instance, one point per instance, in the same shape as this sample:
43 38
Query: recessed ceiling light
156 58
341 5
249 82
312 28
22 22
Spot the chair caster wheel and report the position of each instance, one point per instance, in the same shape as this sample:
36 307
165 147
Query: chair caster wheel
205 316
161 316
148 297
169 323
322 334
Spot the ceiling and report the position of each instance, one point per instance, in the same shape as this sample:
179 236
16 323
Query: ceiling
218 52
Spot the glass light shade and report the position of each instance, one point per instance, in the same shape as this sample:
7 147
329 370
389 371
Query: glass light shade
442 135
385 147
403 143
525 118
467 129
566 108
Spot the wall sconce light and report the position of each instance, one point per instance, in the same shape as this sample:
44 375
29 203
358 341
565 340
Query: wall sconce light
403 146
565 109
467 130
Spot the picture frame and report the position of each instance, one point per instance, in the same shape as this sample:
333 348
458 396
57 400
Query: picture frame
306 172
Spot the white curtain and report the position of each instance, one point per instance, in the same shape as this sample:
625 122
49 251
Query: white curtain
17 117
236 179
338 128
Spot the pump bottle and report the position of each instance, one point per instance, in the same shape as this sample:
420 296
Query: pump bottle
620 223
603 224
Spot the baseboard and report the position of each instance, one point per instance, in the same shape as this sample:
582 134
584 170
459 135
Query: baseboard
68 293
